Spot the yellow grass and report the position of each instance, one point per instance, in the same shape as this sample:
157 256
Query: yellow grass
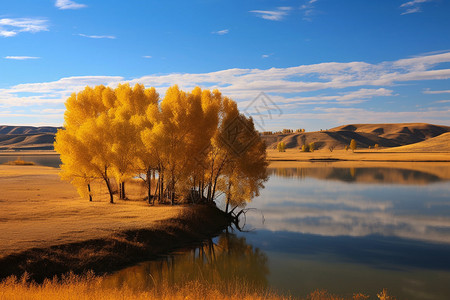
93 287
37 209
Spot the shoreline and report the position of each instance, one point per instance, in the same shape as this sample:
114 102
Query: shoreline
126 248
294 155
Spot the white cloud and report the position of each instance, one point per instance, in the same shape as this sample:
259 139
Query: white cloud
68 4
6 33
332 84
266 55
221 32
147 56
413 3
413 6
273 15
10 27
436 92
97 36
308 10
21 57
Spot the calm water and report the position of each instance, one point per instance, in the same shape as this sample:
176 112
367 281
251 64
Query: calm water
341 229
41 160
346 230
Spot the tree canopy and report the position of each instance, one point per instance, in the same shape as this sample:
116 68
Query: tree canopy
189 146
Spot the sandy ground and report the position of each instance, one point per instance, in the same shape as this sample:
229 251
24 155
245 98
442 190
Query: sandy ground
37 209
358 155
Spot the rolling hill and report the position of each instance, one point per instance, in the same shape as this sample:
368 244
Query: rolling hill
27 137
440 143
385 135
396 137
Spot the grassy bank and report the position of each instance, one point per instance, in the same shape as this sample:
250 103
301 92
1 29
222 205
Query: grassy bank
125 248
46 229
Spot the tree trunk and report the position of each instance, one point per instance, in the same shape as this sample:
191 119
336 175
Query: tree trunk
149 186
108 185
89 190
161 186
228 197
172 193
122 195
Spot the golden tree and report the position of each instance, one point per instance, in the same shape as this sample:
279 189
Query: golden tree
197 143
353 145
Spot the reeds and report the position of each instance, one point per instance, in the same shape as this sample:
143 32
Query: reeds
89 286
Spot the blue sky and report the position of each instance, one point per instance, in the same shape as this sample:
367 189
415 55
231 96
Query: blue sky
321 63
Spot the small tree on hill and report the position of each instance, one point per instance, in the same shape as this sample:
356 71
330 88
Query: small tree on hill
312 147
305 148
281 147
353 145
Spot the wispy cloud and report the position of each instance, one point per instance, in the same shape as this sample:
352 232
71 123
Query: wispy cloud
97 36
412 6
337 85
68 4
273 15
427 91
147 56
308 10
266 55
10 27
21 57
221 32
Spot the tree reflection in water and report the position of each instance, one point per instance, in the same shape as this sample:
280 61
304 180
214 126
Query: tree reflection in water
372 175
229 260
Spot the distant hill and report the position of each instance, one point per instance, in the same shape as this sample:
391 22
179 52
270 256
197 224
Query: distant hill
27 129
27 137
440 143
365 135
428 137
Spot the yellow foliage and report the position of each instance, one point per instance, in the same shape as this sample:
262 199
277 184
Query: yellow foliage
192 140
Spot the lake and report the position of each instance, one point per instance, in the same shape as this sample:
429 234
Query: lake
47 160
345 228
341 226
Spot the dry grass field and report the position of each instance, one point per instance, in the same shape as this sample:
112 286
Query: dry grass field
37 209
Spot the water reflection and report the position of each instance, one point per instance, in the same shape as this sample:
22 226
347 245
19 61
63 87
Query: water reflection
341 229
311 201
228 259
360 175
51 160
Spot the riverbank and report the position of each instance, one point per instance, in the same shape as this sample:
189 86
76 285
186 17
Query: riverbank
358 155
46 229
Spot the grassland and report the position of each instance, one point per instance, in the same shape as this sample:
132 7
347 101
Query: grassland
46 229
